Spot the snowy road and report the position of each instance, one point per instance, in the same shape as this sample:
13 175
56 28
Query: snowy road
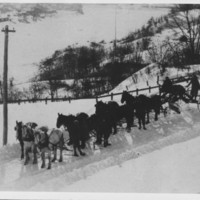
136 157
174 169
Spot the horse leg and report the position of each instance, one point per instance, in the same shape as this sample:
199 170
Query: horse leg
143 122
49 158
99 137
74 147
82 144
139 122
106 136
43 158
27 158
79 149
54 154
22 149
34 154
132 119
156 115
128 122
75 153
147 112
61 156
115 128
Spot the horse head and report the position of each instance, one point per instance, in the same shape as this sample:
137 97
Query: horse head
128 98
18 129
64 120
124 96
60 119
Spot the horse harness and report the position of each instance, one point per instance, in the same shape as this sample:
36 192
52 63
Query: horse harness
45 142
29 136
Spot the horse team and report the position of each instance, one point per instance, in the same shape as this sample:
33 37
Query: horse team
81 126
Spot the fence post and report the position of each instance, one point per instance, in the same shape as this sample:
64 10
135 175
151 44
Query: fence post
46 100
137 91
96 99
159 89
147 83
111 96
157 80
126 87
69 100
18 101
149 89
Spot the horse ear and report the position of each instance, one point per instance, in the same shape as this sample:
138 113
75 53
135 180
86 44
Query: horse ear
16 122
58 114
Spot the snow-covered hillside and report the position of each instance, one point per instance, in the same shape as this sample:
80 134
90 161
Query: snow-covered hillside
36 40
148 77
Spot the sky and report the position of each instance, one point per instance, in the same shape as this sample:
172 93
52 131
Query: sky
35 41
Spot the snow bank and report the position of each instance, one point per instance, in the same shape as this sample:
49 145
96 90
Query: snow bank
125 146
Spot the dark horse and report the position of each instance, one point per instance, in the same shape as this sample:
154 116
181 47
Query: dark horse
102 126
115 113
176 92
143 105
110 109
25 135
18 129
77 128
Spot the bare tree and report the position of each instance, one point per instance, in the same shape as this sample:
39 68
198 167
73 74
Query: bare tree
159 53
184 20
37 89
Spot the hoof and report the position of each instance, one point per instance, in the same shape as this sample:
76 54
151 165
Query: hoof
69 143
115 132
82 154
49 167
60 160
26 161
76 155
133 125
107 144
98 142
128 129
53 160
42 166
145 128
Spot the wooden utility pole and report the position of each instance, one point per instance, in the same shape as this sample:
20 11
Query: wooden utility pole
5 86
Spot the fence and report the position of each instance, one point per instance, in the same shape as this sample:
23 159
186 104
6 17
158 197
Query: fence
69 99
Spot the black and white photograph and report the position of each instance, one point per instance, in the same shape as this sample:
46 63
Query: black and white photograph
99 98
